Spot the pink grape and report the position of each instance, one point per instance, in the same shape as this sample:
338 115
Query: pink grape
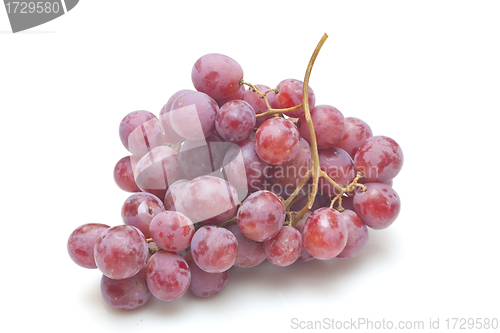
356 131
204 284
81 243
328 125
168 275
173 197
378 206
124 175
289 175
158 169
258 103
379 158
337 164
214 248
250 253
277 141
325 233
126 294
192 115
209 199
243 167
172 231
120 252
235 121
140 131
139 209
261 216
357 235
304 255
290 94
201 157
216 75
238 95
284 248
165 122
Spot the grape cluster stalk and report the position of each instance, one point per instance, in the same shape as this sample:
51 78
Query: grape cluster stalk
218 180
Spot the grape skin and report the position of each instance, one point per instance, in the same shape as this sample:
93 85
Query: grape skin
204 284
325 233
328 126
214 248
173 197
168 275
379 158
304 255
356 131
139 209
123 175
216 75
209 200
126 294
81 243
259 104
261 216
337 164
277 141
284 248
120 252
165 122
235 121
201 157
172 231
250 253
357 235
140 131
238 95
290 94
378 206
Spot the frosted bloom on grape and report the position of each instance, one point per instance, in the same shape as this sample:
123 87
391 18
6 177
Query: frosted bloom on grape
204 284
124 175
304 255
357 235
172 231
201 157
214 248
277 141
168 275
261 216
81 243
139 209
250 253
284 248
337 164
235 121
378 206
290 94
120 252
379 158
170 134
258 103
356 131
140 131
126 294
328 125
216 75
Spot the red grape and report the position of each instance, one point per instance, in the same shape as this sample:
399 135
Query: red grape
304 255
165 122
124 175
277 141
126 294
250 253
357 235
235 121
238 95
204 284
139 209
140 131
284 248
172 231
328 125
356 131
378 206
201 157
258 103
81 243
168 275
290 94
214 248
337 164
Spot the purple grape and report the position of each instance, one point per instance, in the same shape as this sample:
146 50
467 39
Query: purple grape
139 209
172 231
261 216
120 252
140 131
216 75
158 169
209 200
337 164
81 243
290 94
204 284
357 235
214 248
124 175
325 233
201 157
328 125
250 253
168 275
277 141
193 115
126 294
235 121
356 131
284 248
379 158
378 206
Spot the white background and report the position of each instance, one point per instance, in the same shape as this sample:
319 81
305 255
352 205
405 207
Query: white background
426 73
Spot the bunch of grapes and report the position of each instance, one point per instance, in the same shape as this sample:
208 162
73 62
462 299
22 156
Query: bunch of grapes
231 174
